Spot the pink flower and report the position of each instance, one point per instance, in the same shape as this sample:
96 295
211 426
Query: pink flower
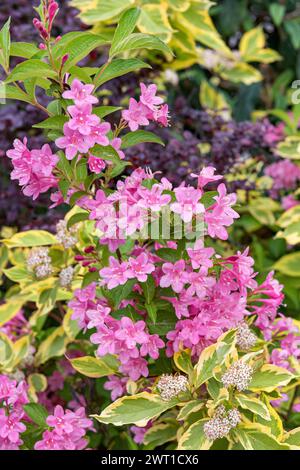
174 275
82 302
117 385
200 256
221 214
187 204
97 316
135 115
289 201
97 134
139 433
148 96
96 165
60 421
152 346
10 426
131 333
285 174
81 118
51 441
199 283
116 274
140 267
116 144
135 368
80 93
73 142
161 115
153 198
206 176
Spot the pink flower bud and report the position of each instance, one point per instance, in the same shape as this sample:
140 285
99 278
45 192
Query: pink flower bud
89 249
42 46
79 258
64 59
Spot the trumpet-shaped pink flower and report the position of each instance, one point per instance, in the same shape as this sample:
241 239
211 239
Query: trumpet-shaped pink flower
135 115
73 142
116 274
187 204
140 267
80 93
131 333
117 386
148 96
116 144
135 368
153 198
11 426
221 215
200 256
98 133
161 115
96 165
81 118
207 175
174 276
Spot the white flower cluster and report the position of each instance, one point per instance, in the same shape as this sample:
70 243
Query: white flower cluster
170 386
221 424
66 237
39 262
239 375
246 339
66 276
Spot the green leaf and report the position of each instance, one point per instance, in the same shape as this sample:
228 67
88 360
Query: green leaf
101 11
105 153
117 68
10 92
293 437
30 238
53 123
183 361
95 367
121 292
141 41
152 311
289 264
139 137
213 356
269 378
5 44
70 326
31 68
137 409
254 405
79 217
149 288
124 28
23 49
6 350
37 413
194 438
103 111
277 12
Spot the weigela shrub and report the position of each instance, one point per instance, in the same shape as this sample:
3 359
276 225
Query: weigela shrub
133 288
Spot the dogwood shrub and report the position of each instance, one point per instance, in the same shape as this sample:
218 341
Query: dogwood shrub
134 299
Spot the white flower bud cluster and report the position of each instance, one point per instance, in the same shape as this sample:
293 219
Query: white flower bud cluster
170 386
66 237
246 339
39 262
221 424
17 375
239 375
66 276
29 358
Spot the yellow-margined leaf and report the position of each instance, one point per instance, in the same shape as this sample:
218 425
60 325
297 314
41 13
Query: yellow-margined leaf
242 73
252 42
289 148
9 309
213 356
291 234
70 326
95 366
53 346
30 238
253 404
183 361
6 350
191 407
289 217
160 433
289 265
137 409
194 438
269 378
292 437
154 20
257 439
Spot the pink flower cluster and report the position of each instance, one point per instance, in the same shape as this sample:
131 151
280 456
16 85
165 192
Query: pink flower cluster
16 326
33 168
129 340
285 175
149 108
13 396
69 429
